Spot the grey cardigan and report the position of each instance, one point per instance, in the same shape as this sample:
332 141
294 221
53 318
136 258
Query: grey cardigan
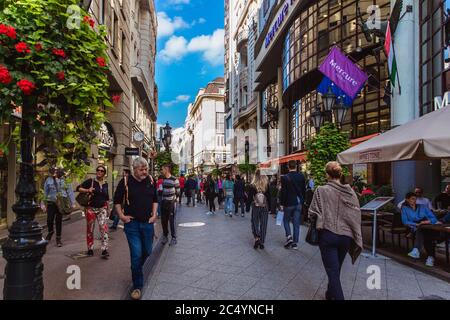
337 209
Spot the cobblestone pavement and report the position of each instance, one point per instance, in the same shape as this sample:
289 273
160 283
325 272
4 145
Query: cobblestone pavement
217 261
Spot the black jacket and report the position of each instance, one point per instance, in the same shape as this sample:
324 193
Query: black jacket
293 185
190 184
239 189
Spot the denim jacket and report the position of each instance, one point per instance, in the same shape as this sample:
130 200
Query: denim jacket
53 186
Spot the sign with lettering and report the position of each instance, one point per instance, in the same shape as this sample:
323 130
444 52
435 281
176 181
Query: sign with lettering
440 103
343 72
132 151
278 22
106 137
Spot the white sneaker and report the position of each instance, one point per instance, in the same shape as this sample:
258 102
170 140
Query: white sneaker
430 262
415 254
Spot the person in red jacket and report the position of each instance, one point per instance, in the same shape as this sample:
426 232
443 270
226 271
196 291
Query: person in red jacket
367 191
182 180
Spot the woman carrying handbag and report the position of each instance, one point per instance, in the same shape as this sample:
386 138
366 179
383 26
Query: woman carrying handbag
336 214
96 209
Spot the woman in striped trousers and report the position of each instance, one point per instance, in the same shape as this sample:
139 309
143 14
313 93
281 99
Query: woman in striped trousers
259 192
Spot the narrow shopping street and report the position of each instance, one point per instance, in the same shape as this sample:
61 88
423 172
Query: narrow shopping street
217 261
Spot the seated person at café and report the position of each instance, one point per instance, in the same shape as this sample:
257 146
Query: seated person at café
420 199
442 201
415 215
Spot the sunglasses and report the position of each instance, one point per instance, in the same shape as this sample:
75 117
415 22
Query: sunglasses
100 170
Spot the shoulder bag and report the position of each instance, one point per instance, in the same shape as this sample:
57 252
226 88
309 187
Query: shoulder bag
312 237
83 198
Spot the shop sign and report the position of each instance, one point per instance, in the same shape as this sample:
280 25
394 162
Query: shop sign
370 156
440 103
343 72
132 151
106 137
278 22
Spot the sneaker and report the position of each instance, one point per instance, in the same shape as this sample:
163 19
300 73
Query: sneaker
415 254
430 262
289 242
294 246
173 242
242 215
58 242
164 240
256 245
105 254
136 294
90 253
261 246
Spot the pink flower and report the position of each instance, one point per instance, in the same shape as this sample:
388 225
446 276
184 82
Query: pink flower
38 47
116 98
89 20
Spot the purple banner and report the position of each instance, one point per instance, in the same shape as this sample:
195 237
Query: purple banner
343 72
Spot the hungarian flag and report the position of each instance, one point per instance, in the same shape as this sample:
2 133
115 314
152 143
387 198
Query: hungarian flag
390 53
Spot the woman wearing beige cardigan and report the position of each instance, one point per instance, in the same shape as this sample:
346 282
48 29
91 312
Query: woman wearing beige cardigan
336 208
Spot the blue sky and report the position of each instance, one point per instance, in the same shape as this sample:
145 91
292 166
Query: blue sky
190 53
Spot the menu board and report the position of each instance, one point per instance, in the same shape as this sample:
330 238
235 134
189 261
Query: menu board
377 203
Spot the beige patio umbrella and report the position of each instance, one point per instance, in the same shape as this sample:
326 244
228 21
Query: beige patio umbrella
422 139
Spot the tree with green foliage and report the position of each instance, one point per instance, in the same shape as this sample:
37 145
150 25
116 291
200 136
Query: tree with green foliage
53 67
166 158
323 148
245 168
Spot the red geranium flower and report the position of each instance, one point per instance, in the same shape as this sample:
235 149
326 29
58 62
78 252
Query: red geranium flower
59 52
3 29
116 98
22 47
38 46
101 62
26 86
5 76
89 20
61 75
11 33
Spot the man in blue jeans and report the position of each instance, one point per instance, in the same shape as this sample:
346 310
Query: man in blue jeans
292 195
136 203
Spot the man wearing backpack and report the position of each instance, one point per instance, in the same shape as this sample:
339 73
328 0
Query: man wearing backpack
292 195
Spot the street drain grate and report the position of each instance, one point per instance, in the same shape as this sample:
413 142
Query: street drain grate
192 224
78 256
432 297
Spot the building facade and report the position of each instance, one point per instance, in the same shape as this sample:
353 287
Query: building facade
241 30
204 146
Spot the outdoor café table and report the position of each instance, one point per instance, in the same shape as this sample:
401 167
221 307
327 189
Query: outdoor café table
445 230
439 213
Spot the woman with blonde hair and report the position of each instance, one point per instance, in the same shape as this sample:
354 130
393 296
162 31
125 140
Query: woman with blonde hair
259 193
335 209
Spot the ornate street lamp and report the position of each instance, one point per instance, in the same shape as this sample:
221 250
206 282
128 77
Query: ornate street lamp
340 112
317 119
329 99
167 137
25 246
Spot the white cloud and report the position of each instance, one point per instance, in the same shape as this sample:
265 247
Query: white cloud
167 25
174 49
211 47
180 98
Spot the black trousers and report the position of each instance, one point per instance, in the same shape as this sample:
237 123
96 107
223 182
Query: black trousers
333 249
220 197
212 205
54 217
259 222
239 202
168 216
181 194
190 194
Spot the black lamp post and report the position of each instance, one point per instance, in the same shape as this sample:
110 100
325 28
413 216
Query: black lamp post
25 246
332 105
167 137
